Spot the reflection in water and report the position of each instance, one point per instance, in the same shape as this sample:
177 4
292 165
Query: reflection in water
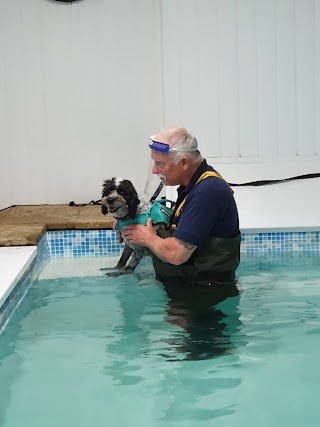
194 308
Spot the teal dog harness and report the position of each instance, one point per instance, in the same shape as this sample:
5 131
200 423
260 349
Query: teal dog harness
158 212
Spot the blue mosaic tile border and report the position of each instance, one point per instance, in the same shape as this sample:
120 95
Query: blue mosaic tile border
21 288
96 243
293 241
79 243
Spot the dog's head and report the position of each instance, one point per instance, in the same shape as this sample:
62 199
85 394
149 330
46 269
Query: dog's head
120 198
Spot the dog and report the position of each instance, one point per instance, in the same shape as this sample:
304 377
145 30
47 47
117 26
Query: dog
120 198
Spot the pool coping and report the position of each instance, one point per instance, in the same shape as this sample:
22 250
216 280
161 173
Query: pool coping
14 261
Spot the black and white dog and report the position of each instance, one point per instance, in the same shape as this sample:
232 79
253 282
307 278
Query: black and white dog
120 198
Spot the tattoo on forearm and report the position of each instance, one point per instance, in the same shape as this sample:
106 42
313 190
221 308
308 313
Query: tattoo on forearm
186 245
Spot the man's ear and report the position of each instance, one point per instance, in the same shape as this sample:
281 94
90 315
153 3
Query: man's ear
185 161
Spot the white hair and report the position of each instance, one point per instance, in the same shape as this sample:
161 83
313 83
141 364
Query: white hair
181 138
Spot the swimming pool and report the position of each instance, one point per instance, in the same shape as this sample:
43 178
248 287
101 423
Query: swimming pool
90 350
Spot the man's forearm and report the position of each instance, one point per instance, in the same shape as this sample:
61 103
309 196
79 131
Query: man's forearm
169 250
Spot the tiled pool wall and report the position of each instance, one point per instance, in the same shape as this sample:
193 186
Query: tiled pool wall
293 241
96 243
78 243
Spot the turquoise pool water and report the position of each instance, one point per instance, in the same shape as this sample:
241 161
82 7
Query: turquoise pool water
95 351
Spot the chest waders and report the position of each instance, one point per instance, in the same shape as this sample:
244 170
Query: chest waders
213 262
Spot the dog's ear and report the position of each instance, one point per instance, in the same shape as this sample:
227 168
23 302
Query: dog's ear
131 196
107 186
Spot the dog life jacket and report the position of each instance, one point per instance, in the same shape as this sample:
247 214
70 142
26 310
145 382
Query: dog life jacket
213 262
158 212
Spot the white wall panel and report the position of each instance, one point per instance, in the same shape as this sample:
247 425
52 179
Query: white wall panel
266 88
36 117
286 78
80 93
183 66
262 60
247 79
5 181
208 109
14 140
228 71
317 74
305 65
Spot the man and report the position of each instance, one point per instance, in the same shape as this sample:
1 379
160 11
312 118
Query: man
202 243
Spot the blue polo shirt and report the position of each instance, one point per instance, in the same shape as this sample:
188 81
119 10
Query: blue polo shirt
210 209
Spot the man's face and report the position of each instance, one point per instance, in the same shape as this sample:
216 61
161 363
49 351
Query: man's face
168 171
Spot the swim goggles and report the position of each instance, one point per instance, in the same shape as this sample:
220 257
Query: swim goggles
162 147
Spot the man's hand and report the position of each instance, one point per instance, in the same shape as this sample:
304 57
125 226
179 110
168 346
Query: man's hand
169 250
139 234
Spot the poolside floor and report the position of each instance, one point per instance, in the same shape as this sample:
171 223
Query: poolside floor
25 225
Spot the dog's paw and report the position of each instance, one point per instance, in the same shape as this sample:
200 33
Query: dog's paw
117 273
108 269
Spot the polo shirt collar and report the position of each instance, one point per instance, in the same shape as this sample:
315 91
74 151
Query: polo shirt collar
203 167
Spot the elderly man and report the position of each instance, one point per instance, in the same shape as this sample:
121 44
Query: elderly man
202 242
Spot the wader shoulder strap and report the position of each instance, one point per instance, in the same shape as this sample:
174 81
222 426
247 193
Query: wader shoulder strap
207 174
202 177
